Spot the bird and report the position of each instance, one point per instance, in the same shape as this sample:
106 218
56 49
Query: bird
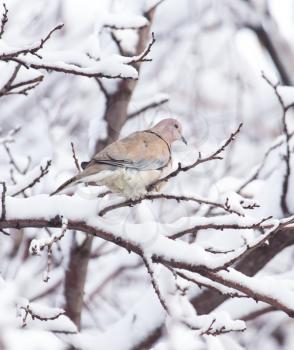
129 165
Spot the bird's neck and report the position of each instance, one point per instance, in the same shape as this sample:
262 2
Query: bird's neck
162 134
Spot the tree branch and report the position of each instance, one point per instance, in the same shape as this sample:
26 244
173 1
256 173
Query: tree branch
287 135
151 197
148 106
43 171
213 156
75 157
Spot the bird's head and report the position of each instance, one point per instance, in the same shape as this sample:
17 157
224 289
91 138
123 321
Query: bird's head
169 129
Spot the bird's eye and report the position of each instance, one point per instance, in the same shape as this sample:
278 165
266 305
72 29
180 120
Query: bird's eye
176 126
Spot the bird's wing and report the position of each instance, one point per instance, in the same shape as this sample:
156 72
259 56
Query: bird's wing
140 151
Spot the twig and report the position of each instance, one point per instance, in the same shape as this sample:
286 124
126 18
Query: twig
43 171
214 251
75 157
222 227
200 282
29 311
154 283
11 159
209 329
147 107
103 89
4 20
132 202
4 232
214 156
37 246
117 27
256 173
30 84
32 50
142 56
43 41
9 137
3 206
10 80
117 43
287 157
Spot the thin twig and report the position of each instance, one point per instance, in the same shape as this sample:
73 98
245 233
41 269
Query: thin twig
147 107
30 50
75 157
214 156
222 227
285 108
29 311
142 56
133 202
154 283
4 20
43 171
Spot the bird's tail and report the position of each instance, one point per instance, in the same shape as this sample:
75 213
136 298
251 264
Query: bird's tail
67 183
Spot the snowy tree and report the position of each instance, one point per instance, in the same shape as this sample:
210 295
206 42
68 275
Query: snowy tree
199 264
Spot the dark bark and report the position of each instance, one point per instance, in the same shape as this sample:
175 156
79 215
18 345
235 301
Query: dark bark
115 116
75 279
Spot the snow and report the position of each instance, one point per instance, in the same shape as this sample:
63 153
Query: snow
41 310
124 21
207 282
112 65
209 67
266 285
41 340
145 316
152 242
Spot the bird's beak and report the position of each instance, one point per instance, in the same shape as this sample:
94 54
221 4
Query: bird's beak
184 140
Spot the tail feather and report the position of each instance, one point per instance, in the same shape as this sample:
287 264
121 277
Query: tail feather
67 183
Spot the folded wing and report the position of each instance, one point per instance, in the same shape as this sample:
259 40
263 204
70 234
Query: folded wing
140 151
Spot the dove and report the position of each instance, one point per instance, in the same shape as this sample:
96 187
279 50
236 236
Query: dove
128 166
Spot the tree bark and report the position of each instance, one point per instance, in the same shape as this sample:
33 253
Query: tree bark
115 116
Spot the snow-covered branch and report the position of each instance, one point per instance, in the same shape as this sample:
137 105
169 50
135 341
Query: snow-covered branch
112 66
21 88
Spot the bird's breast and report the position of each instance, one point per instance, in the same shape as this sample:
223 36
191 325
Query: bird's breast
130 182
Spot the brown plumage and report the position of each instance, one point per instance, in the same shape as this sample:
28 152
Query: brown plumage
129 165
